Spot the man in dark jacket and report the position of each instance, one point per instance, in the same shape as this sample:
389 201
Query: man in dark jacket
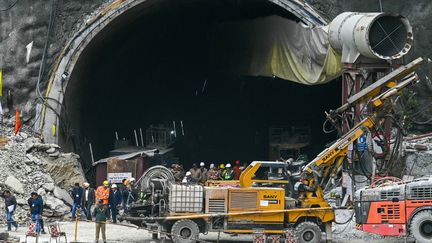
10 206
76 194
115 199
87 200
36 209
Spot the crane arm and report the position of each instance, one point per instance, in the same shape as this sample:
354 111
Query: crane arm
331 159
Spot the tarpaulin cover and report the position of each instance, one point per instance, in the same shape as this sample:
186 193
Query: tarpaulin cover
275 46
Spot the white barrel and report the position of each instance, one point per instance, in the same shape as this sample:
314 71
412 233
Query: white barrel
374 35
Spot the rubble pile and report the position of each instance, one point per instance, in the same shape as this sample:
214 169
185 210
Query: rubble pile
418 155
28 165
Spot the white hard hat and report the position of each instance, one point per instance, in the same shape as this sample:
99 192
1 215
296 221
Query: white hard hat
132 179
212 166
188 173
228 165
202 164
114 186
86 184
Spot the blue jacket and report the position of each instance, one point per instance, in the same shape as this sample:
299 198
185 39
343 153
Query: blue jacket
115 198
37 205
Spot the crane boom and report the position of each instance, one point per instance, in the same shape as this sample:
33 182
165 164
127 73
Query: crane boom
331 159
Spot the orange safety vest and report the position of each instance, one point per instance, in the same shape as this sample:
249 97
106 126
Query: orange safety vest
102 193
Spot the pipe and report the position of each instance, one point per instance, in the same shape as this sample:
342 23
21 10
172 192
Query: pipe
373 35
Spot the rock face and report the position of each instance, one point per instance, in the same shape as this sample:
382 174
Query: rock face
66 170
14 184
63 195
23 31
56 205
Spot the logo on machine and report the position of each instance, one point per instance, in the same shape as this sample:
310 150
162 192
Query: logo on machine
327 156
270 196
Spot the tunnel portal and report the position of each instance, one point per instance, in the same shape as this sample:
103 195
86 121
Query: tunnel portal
154 65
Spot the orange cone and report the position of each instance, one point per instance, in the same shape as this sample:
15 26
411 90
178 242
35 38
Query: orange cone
17 122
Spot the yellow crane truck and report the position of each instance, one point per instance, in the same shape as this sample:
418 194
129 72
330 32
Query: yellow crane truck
260 203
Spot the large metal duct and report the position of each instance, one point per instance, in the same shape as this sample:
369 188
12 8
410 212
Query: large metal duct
373 35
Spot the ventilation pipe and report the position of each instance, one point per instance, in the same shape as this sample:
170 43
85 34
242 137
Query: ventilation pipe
373 35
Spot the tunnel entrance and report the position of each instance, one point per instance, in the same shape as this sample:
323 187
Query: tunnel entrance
153 66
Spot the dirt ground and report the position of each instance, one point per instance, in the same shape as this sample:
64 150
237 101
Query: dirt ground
129 234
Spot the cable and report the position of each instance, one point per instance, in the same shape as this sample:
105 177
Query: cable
9 7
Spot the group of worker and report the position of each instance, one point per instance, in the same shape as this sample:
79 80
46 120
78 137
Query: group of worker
201 174
108 199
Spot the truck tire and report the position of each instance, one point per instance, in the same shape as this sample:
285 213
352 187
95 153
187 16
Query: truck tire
308 232
421 226
184 231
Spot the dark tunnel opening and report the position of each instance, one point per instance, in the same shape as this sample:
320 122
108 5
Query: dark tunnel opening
153 66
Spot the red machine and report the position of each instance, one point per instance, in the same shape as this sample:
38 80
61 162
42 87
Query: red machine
398 209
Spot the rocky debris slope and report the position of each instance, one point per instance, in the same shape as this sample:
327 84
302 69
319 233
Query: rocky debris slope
28 165
418 155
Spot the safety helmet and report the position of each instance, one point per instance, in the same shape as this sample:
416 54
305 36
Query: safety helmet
188 173
105 183
131 179
114 186
202 164
228 165
222 166
212 166
86 184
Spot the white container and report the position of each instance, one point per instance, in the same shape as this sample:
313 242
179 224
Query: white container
186 198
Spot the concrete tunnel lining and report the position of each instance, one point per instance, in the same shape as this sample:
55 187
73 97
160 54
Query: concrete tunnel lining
123 14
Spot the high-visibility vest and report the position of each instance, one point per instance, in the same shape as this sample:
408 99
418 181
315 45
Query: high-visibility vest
102 193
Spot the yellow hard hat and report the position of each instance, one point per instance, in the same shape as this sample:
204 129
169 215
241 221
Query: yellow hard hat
105 183
222 166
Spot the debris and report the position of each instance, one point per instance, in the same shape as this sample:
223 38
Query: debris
63 194
14 184
28 165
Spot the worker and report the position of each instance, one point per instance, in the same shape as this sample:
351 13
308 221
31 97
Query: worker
195 173
87 200
237 170
36 209
203 173
115 199
10 206
76 194
188 179
102 193
178 173
228 173
221 168
129 194
132 182
101 214
213 173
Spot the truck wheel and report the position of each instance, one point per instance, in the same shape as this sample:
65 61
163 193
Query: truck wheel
421 226
308 232
184 231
